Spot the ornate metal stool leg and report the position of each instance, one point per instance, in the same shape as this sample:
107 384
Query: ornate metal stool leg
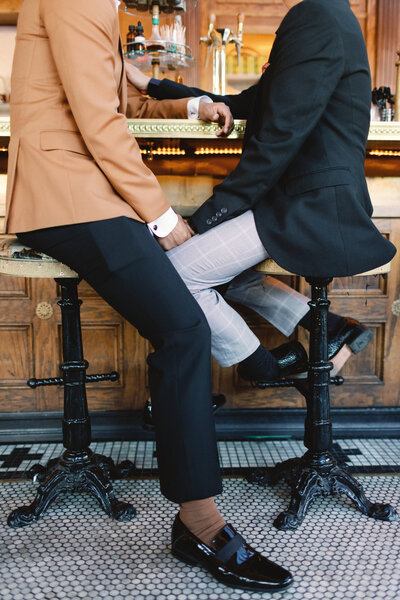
317 472
78 469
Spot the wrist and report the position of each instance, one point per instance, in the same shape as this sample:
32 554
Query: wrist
146 81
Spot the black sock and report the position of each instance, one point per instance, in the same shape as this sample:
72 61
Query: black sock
259 366
333 320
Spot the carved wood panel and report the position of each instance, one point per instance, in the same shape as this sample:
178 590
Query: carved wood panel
32 347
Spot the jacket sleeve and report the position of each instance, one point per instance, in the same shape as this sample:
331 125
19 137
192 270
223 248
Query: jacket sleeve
238 103
143 107
306 64
82 37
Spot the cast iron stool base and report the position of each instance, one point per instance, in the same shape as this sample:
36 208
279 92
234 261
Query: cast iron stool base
317 472
73 472
78 469
311 476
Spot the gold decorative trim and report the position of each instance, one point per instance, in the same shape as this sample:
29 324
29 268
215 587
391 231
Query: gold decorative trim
190 129
180 128
4 126
382 131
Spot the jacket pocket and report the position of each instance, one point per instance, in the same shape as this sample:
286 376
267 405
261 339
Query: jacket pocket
318 179
63 140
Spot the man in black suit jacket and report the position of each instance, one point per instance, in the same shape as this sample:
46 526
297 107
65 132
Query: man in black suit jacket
302 167
301 174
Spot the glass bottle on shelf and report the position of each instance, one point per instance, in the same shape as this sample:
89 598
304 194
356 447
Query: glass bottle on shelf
155 43
139 44
130 39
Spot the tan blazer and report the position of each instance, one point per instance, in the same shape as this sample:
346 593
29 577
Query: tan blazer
71 156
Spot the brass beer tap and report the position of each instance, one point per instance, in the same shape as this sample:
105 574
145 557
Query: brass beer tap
217 41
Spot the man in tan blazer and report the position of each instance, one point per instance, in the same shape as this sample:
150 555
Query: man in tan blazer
79 191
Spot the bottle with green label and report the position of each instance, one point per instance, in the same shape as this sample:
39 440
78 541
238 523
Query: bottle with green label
155 43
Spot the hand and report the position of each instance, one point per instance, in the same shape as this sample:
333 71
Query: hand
217 112
178 235
137 78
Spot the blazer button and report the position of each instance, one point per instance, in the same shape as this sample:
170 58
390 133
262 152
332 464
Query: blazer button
208 222
214 219
219 215
224 210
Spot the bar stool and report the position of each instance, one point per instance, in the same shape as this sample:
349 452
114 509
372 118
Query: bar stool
78 469
316 473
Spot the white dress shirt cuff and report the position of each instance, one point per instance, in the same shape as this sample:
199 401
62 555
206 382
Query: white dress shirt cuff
163 226
193 106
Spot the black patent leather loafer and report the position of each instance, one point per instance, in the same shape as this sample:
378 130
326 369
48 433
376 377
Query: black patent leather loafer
350 332
229 559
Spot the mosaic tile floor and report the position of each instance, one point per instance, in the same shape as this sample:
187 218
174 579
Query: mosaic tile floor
76 552
359 455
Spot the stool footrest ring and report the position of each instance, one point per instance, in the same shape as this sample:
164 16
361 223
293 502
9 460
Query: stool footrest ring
337 380
34 383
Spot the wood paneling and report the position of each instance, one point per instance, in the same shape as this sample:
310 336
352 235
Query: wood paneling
9 10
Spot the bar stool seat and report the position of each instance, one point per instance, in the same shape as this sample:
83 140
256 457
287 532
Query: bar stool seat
78 469
20 261
316 473
270 267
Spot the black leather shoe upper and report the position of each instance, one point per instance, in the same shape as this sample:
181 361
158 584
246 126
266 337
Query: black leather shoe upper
350 332
229 559
291 357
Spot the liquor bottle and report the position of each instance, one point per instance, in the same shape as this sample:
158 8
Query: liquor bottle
130 39
155 43
140 42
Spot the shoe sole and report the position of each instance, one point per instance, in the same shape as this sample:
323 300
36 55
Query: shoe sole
194 563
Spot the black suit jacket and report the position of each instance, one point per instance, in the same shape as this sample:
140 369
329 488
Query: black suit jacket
302 167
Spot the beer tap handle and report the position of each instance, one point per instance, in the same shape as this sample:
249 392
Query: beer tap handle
240 21
238 41
211 23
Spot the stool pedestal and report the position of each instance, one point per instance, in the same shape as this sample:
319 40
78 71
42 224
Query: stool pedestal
317 472
78 469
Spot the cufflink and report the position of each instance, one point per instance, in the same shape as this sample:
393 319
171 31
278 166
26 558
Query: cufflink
155 227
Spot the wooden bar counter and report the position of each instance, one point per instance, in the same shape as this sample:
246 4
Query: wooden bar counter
189 161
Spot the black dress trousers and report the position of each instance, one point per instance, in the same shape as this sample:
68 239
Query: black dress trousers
121 260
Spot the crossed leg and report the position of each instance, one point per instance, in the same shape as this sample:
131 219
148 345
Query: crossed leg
217 257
